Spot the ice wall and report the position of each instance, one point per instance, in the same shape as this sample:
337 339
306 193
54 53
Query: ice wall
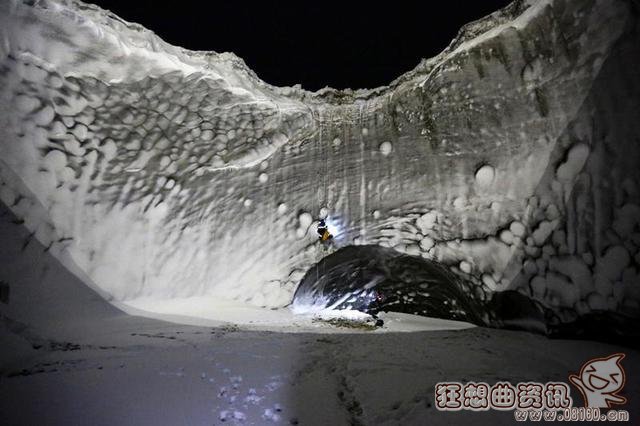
511 157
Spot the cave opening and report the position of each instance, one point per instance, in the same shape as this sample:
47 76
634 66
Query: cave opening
336 44
370 278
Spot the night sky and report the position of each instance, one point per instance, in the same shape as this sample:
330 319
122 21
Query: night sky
314 43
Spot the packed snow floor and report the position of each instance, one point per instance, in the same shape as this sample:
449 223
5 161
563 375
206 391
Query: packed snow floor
135 371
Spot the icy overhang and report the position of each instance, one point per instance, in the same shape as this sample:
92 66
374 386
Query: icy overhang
166 174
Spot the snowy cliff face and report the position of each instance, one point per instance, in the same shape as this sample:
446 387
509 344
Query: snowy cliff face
511 158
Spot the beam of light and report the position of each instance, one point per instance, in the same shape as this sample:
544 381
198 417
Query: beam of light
318 307
349 304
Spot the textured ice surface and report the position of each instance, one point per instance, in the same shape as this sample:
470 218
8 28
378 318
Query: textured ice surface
67 355
163 173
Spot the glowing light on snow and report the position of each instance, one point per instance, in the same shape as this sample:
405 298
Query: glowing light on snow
333 226
309 305
318 308
312 304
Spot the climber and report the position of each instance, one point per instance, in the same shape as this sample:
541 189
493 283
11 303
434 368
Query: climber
323 232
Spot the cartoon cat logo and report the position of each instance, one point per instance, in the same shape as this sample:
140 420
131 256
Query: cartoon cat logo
599 380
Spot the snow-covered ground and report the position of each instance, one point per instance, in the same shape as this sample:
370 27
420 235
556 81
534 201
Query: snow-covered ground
131 372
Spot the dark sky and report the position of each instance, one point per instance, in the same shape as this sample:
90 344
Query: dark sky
314 43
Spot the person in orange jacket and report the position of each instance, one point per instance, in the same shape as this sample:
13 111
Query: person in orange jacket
323 232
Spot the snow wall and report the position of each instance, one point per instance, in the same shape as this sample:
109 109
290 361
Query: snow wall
511 158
